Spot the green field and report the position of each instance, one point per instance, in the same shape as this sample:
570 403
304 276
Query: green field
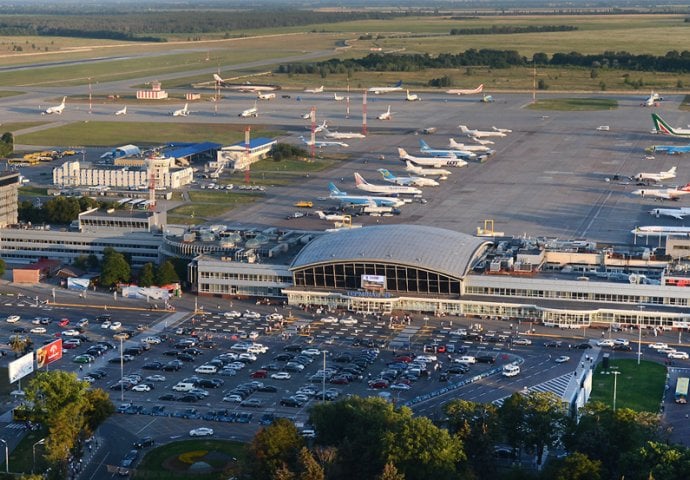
206 206
574 104
106 134
638 387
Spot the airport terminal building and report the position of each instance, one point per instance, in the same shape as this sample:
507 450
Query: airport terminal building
412 268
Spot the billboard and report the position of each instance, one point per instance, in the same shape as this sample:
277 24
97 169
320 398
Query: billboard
373 282
79 284
47 354
21 367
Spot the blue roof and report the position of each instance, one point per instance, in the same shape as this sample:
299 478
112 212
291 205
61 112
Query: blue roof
256 142
181 150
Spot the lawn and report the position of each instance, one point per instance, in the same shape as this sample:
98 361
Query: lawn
174 460
206 206
32 191
639 388
574 104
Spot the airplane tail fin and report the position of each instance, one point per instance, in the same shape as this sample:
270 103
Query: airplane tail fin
661 126
320 214
399 84
452 143
333 189
63 101
463 129
672 171
402 153
359 180
386 174
480 88
423 144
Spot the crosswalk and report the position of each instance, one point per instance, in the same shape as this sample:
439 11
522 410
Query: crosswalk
558 386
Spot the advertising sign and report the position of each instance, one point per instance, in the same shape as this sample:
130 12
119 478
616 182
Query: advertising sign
373 282
47 354
21 367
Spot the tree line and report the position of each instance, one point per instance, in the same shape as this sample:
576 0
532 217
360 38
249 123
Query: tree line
59 210
511 29
672 61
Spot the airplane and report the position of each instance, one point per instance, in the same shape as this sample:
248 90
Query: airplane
652 101
659 231
338 135
182 112
343 197
265 96
664 193
379 90
655 177
414 181
332 217
306 116
314 90
412 168
660 126
321 128
451 155
372 208
362 184
669 149
250 112
387 115
501 130
122 112
482 141
679 213
412 97
436 162
480 133
487 99
470 148
243 87
338 98
321 143
57 109
466 91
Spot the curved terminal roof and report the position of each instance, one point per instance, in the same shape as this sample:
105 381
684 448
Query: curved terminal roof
429 248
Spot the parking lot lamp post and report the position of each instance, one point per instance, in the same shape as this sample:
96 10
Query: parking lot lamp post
7 456
323 378
40 442
122 372
615 374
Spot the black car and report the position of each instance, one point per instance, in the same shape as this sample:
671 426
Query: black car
172 366
290 402
168 397
622 348
129 459
193 351
185 357
486 358
143 442
583 346
152 366
267 388
188 398
553 344
293 348
210 383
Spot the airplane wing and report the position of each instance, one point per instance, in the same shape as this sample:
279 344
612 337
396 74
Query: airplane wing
678 216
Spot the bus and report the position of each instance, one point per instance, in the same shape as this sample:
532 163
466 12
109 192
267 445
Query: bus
682 390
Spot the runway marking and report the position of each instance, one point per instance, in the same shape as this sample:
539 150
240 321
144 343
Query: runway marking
556 172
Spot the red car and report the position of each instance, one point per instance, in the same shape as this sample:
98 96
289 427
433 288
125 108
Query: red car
379 383
69 346
259 374
403 359
63 322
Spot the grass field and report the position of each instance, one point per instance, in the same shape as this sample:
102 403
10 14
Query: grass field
117 133
173 460
639 388
206 206
32 191
574 104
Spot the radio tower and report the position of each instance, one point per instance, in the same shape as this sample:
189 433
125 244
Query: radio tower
247 131
364 113
152 190
312 147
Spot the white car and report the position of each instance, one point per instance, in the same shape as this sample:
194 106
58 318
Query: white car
426 358
71 332
666 350
563 359
349 321
152 340
38 330
13 318
621 341
201 432
679 355
105 324
142 387
115 326
281 376
232 398
311 351
658 345
252 315
605 343
522 341
329 320
232 314
400 386
155 378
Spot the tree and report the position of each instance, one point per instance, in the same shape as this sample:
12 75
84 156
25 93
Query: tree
6 144
18 344
115 268
2 267
575 466
544 422
166 274
476 425
147 276
273 449
390 473
309 468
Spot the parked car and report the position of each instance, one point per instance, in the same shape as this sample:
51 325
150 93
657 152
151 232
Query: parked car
201 432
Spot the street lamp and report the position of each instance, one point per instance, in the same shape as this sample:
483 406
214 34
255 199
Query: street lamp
122 372
323 378
7 456
615 374
40 442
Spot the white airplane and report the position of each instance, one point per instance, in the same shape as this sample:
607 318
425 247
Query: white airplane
379 90
412 97
266 96
243 87
387 115
417 170
372 208
436 162
250 112
306 116
331 217
413 181
362 184
655 177
501 130
663 193
321 143
338 98
466 91
479 133
660 126
321 128
679 213
660 231
482 141
344 198
314 90
123 111
338 135
652 101
469 148
452 156
57 109
182 112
